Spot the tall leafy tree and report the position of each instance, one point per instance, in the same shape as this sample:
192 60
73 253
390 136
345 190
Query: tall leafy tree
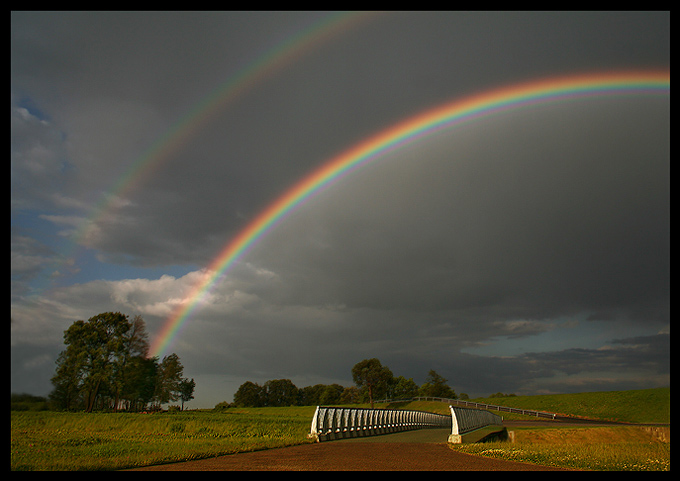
350 395
135 350
403 388
68 379
311 395
97 346
186 391
106 364
435 386
168 379
140 382
370 373
249 394
280 392
331 394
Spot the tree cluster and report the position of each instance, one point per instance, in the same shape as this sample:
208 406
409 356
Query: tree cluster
282 392
105 366
28 402
500 394
372 379
378 382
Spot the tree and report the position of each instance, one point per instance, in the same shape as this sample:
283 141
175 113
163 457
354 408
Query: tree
435 386
280 392
137 339
168 379
186 391
310 395
370 373
91 361
331 394
135 347
249 394
350 395
500 394
105 365
221 406
403 388
140 382
68 380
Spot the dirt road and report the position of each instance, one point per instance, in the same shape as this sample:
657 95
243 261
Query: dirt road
378 453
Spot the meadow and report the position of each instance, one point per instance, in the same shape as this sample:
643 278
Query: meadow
617 448
108 441
45 440
634 406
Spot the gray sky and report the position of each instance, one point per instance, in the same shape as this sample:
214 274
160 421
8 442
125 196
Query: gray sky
527 252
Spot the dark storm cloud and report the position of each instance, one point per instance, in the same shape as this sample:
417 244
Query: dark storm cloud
339 93
648 353
538 217
489 231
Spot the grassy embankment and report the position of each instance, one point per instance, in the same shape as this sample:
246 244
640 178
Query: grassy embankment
636 406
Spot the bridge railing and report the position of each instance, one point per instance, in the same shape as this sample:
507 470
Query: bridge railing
470 425
464 420
331 423
476 405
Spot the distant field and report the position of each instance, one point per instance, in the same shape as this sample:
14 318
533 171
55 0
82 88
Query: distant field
638 406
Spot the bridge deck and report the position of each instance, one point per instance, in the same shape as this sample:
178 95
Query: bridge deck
431 435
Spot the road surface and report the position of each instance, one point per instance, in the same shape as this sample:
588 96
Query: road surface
423 450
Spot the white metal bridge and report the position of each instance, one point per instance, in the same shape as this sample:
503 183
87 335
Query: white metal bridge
467 425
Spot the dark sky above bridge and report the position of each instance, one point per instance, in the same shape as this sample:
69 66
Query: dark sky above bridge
528 252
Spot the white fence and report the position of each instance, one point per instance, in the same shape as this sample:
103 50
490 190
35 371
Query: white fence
337 423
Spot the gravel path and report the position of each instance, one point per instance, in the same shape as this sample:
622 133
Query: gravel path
377 453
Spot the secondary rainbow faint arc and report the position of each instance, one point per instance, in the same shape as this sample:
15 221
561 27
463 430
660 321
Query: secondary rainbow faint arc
202 113
405 132
261 68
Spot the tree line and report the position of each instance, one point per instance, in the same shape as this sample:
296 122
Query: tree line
372 381
106 366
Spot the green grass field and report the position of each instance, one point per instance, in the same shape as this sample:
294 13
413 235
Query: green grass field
637 406
107 441
47 440
616 448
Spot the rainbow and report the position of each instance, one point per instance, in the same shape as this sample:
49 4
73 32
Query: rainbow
408 131
236 86
185 128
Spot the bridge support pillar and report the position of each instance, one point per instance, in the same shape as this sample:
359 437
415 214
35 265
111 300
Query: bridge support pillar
480 434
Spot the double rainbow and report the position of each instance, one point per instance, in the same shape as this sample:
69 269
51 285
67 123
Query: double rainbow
408 131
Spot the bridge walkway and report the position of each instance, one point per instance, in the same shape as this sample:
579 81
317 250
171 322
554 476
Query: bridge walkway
431 435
